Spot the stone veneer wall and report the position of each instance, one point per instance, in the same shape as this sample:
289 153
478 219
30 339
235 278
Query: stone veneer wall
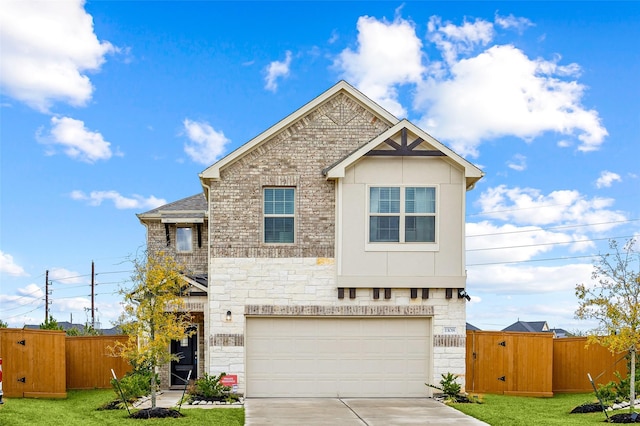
236 283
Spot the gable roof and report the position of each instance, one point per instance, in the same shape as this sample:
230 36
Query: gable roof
471 172
471 327
192 209
213 171
528 326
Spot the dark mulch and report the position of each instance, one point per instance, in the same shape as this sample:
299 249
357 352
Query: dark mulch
156 413
588 408
625 418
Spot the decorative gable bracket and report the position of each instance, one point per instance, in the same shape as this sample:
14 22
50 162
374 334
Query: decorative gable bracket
404 149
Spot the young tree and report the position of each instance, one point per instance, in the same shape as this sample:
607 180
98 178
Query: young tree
153 314
50 324
614 301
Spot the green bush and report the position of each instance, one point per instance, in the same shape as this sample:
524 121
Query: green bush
134 384
618 391
209 388
449 387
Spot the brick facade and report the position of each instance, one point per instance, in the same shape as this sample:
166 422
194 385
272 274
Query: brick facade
294 157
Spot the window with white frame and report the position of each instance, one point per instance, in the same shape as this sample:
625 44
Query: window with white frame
184 239
402 214
279 215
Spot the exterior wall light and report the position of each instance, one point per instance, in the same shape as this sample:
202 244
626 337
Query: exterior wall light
228 317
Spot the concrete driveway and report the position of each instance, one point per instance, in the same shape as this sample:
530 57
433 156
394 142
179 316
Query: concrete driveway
352 412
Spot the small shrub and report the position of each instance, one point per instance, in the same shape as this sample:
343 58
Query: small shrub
134 384
450 388
209 388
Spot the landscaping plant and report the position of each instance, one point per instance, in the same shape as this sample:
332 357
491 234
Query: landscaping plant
153 314
613 299
210 388
450 388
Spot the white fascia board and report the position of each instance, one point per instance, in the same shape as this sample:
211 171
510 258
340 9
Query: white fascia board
213 172
472 173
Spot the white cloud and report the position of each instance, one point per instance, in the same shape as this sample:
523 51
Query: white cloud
95 198
607 178
501 92
509 279
563 207
207 144
66 276
453 40
9 266
275 70
518 163
388 54
47 49
25 296
517 23
488 242
76 140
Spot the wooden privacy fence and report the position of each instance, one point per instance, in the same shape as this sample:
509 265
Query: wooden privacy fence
535 364
510 363
572 361
89 361
33 363
45 363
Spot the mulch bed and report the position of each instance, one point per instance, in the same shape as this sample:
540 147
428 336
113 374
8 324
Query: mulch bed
156 413
588 408
625 418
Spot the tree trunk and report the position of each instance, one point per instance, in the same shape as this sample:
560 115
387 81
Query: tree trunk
632 379
153 388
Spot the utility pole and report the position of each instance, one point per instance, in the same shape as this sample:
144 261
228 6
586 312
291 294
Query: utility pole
93 289
46 297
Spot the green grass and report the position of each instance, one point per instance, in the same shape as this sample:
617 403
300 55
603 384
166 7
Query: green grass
500 410
80 408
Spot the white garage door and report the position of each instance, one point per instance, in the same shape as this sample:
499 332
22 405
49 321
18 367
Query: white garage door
330 357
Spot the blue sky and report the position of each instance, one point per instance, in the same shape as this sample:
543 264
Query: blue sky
112 108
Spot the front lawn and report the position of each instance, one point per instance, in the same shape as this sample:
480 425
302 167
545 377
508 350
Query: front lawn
80 408
501 410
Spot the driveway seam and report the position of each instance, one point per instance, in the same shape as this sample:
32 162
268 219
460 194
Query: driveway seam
353 411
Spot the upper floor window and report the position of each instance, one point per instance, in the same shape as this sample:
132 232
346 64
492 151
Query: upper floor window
184 239
279 215
402 214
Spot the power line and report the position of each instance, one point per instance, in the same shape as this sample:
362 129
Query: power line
536 207
550 244
25 313
552 227
534 260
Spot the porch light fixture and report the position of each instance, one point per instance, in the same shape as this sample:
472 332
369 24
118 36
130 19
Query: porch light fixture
462 294
228 317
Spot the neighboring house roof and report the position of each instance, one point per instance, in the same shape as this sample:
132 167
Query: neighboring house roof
560 332
192 209
472 173
213 171
471 327
66 325
528 326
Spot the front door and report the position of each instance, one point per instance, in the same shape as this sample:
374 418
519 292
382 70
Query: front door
186 350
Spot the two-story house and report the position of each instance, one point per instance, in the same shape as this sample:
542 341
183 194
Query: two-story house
335 260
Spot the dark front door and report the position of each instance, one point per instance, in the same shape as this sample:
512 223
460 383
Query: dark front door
186 349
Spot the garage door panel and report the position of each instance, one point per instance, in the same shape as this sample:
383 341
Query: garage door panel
327 357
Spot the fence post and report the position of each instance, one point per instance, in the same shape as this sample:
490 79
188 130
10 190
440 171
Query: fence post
1 393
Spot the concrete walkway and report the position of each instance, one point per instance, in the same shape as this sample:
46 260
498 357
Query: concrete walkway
171 399
352 412
333 412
